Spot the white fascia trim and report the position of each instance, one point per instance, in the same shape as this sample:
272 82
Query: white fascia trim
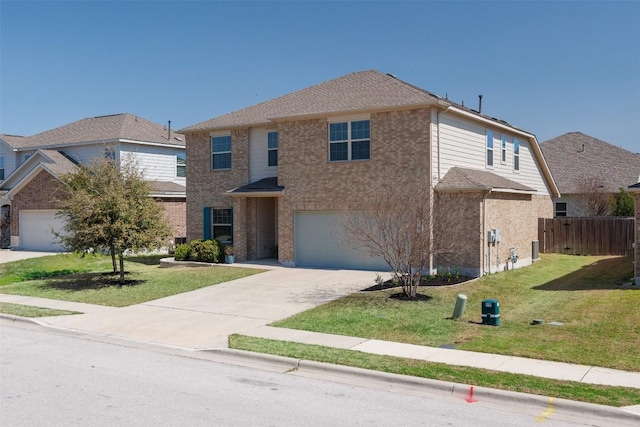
492 190
168 195
155 144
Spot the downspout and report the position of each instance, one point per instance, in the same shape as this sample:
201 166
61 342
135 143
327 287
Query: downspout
485 243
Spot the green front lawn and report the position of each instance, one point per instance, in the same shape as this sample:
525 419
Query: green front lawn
29 311
600 394
601 318
89 279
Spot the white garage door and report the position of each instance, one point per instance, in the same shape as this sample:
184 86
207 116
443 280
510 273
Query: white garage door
35 230
319 242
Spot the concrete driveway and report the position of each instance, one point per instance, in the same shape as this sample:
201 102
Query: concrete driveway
7 255
203 318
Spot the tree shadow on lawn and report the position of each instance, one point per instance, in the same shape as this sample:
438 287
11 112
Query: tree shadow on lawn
93 281
608 273
146 259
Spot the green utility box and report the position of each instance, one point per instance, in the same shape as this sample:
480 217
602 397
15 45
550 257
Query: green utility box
490 312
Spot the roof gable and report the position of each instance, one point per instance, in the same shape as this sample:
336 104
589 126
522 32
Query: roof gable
53 162
575 157
359 91
103 129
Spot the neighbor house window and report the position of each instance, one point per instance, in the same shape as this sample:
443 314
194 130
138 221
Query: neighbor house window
516 155
561 209
222 225
272 148
350 140
110 154
1 168
503 150
221 152
181 165
489 148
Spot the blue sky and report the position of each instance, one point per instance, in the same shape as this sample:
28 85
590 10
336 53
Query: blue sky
547 67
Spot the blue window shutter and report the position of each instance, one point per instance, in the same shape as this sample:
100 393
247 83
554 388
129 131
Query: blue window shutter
206 214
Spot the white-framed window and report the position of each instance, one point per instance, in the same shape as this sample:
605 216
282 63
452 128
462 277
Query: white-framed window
561 209
272 148
516 155
1 168
489 148
221 152
350 141
222 225
503 149
181 165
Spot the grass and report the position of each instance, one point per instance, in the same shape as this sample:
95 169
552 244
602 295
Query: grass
88 279
29 311
604 395
601 318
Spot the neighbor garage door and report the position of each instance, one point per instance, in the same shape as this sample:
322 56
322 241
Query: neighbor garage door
35 230
320 242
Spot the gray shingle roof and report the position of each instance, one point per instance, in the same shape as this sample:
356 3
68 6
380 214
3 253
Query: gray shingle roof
105 129
14 141
359 91
457 179
56 163
268 185
570 163
166 187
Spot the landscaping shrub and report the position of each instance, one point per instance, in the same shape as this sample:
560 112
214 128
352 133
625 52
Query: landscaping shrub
181 252
200 250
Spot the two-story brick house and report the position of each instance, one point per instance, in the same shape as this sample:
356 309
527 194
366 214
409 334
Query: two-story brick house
274 177
31 167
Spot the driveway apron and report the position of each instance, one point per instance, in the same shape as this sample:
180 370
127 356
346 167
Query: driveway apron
203 319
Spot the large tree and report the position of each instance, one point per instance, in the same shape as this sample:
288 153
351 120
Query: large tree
406 227
107 207
591 197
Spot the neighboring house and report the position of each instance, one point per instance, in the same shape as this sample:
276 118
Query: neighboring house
273 178
33 166
635 190
587 171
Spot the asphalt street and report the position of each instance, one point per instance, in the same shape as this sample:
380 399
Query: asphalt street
55 379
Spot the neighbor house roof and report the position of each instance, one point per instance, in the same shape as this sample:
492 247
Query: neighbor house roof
574 157
167 189
13 141
359 91
105 129
464 179
51 161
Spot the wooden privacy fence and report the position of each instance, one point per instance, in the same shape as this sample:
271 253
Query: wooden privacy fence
587 236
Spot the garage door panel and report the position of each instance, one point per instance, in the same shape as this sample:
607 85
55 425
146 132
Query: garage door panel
320 242
35 230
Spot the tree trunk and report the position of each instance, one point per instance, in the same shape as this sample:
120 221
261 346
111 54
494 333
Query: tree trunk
113 258
121 257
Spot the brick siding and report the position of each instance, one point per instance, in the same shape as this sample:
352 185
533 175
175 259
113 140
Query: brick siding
42 192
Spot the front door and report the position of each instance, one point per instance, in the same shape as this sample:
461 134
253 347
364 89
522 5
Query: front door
267 227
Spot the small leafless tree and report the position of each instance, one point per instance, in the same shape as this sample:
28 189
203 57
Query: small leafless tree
398 226
591 197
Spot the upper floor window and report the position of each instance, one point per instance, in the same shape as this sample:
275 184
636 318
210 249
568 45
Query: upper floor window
1 168
503 149
221 152
272 148
489 148
26 157
110 154
181 165
350 140
561 209
516 155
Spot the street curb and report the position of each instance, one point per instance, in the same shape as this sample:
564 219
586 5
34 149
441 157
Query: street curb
448 388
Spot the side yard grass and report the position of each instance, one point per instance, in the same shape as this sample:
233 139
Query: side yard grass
600 318
89 279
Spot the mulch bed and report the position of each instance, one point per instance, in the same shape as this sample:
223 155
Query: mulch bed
439 280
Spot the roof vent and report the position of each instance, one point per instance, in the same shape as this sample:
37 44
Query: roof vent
391 75
583 149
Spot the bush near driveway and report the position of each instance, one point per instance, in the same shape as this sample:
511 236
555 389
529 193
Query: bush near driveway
601 317
82 279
